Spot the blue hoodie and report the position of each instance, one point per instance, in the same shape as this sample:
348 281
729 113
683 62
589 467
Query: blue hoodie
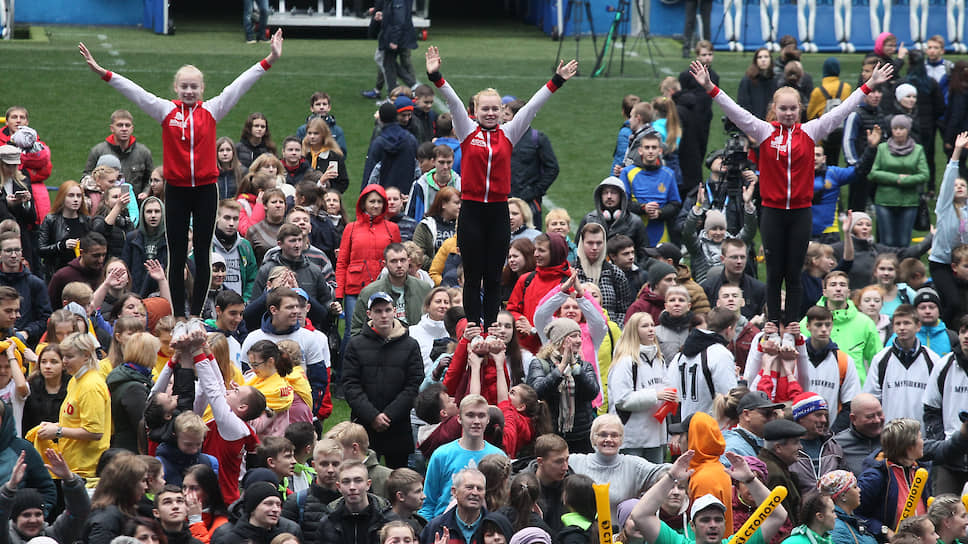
936 338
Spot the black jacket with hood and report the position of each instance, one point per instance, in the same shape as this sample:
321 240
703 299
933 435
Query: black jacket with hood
135 252
619 220
52 236
396 148
129 394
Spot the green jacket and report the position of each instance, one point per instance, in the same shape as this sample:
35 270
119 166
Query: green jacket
887 167
414 292
854 333
241 255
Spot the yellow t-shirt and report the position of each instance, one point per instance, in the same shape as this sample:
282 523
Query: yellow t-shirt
160 363
300 384
87 406
276 389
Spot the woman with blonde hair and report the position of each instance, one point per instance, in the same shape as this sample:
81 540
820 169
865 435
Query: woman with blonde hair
870 302
486 181
639 388
218 344
270 164
522 220
83 430
321 150
129 384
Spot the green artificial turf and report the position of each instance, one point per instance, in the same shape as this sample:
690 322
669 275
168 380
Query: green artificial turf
70 106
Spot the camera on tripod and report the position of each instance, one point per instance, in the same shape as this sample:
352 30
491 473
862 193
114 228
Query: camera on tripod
735 159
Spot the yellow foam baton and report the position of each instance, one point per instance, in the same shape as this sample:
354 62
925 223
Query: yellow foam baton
914 495
604 513
762 512
964 500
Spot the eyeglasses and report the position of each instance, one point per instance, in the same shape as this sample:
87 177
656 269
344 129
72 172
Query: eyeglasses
13 250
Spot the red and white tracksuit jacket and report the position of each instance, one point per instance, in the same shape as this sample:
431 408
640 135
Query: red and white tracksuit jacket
486 154
188 132
786 153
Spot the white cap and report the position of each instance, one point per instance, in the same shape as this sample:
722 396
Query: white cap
705 502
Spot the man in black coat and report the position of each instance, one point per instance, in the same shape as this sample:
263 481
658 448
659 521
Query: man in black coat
470 514
382 371
358 516
534 166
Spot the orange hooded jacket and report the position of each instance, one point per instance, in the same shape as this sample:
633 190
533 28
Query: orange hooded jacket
710 475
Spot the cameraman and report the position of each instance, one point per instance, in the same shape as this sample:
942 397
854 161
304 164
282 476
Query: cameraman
705 246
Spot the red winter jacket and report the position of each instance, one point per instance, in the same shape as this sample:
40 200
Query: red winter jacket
360 259
786 153
523 302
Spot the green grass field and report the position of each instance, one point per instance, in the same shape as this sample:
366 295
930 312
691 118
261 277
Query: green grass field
70 106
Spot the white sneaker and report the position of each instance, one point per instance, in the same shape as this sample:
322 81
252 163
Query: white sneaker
850 47
732 45
788 341
739 46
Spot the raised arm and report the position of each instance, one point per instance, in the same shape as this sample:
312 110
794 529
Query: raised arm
515 128
646 512
229 426
230 96
463 124
752 126
820 127
156 108
740 471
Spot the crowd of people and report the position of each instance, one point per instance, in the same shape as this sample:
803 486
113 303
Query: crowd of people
171 342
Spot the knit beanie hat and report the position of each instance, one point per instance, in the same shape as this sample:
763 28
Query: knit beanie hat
807 403
26 499
862 215
531 535
905 89
558 249
659 270
403 103
260 474
388 113
715 218
901 121
927 294
834 483
256 493
559 328
831 67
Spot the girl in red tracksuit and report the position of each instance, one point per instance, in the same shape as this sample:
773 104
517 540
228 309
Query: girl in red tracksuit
484 229
786 178
191 164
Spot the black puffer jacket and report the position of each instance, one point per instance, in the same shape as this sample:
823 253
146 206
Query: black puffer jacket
52 236
365 526
382 375
544 377
246 152
534 166
309 506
